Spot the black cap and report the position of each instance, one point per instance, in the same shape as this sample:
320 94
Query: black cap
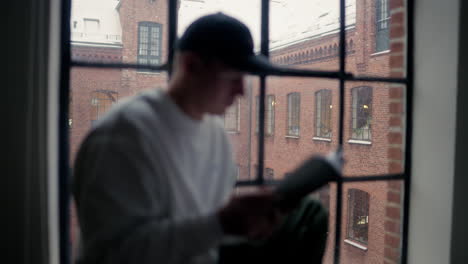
227 39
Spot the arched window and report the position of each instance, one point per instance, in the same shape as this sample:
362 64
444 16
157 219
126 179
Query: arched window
358 215
294 110
361 120
323 110
101 102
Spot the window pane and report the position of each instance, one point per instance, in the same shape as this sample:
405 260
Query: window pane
284 151
322 195
371 223
247 11
94 92
374 128
113 31
304 33
376 44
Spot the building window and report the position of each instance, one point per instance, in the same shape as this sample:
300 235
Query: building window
361 113
270 114
269 174
358 215
231 117
149 43
323 110
294 104
101 102
382 25
91 25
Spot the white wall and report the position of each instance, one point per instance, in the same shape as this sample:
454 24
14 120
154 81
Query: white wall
436 65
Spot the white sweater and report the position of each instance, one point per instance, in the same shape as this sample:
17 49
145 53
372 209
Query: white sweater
148 180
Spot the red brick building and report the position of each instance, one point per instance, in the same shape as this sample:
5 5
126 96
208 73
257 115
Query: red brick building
301 113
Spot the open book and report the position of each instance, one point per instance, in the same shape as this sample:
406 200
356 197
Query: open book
314 173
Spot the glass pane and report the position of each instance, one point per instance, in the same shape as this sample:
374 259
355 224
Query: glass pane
371 222
247 11
93 92
323 196
114 31
304 33
374 128
376 42
296 121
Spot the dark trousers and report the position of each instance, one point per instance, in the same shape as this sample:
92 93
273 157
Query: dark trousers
301 239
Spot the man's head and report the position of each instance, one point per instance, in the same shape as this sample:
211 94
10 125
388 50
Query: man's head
212 57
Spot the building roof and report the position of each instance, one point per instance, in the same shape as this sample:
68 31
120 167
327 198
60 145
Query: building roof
95 23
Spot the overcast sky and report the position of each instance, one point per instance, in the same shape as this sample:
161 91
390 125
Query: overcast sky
289 19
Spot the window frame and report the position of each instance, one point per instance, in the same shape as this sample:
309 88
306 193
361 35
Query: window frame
293 116
236 106
356 98
351 226
148 56
108 96
319 111
407 78
270 114
382 34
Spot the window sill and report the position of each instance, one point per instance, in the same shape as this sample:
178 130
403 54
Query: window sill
232 132
289 136
380 53
354 244
322 139
360 142
148 73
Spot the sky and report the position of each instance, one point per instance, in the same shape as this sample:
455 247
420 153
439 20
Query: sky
289 19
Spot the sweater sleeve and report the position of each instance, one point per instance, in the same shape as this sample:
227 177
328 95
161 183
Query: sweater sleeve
122 212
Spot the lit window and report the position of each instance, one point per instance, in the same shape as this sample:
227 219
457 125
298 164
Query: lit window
358 215
382 25
361 113
294 101
231 117
101 102
149 43
323 110
270 114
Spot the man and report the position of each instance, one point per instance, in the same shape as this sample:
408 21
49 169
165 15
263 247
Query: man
153 179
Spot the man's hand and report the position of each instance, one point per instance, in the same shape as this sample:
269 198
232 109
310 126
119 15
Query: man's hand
253 215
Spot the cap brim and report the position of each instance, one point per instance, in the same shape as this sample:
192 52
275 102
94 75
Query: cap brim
259 65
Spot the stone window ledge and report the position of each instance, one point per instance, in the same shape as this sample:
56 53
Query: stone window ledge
322 139
355 244
360 142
